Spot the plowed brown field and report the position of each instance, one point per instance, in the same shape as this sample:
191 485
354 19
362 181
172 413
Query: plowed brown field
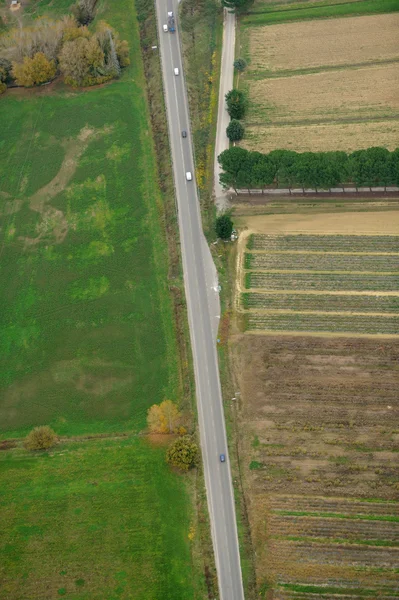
318 441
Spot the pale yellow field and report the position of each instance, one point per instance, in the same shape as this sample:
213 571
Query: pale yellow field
321 138
354 93
370 223
329 42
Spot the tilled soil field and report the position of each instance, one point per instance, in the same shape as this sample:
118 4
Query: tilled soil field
318 441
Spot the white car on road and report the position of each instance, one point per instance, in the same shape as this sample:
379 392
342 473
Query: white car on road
176 71
189 176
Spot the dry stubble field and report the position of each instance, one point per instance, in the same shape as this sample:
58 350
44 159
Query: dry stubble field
322 85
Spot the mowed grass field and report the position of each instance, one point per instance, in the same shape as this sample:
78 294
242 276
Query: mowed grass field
93 520
87 332
320 84
321 283
318 441
87 344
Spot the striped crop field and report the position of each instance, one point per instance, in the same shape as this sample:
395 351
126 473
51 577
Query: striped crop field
318 439
346 284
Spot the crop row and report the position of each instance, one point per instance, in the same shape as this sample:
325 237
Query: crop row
321 281
354 555
335 243
323 262
323 323
321 302
333 528
333 505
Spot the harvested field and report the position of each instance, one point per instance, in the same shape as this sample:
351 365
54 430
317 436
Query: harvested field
328 84
318 443
347 137
293 46
367 93
335 224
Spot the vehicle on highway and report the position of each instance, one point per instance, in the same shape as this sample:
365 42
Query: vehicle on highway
165 28
171 22
176 71
189 176
184 133
222 458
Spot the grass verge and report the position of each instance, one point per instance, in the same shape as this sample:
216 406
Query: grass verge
272 14
202 28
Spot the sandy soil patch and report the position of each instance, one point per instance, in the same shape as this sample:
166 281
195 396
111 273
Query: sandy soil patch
332 95
351 40
370 223
322 138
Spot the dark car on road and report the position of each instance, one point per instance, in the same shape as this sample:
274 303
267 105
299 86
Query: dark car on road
222 458
184 133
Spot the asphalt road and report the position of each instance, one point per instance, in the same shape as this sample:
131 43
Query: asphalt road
225 85
200 280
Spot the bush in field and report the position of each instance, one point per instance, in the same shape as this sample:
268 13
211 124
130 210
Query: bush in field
239 6
84 11
240 64
235 131
34 71
236 103
183 453
40 438
224 227
165 418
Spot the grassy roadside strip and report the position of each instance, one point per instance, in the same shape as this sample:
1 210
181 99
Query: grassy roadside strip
201 37
319 10
225 258
152 69
202 550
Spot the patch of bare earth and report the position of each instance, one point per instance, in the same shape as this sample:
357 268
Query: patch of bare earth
318 441
53 225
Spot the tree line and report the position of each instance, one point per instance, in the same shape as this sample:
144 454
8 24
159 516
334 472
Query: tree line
245 169
36 54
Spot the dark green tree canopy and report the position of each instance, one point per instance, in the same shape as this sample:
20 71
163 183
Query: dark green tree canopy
240 64
239 6
183 453
245 169
235 131
224 227
236 103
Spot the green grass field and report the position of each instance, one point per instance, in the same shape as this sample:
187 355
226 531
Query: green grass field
272 13
88 343
87 333
95 520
